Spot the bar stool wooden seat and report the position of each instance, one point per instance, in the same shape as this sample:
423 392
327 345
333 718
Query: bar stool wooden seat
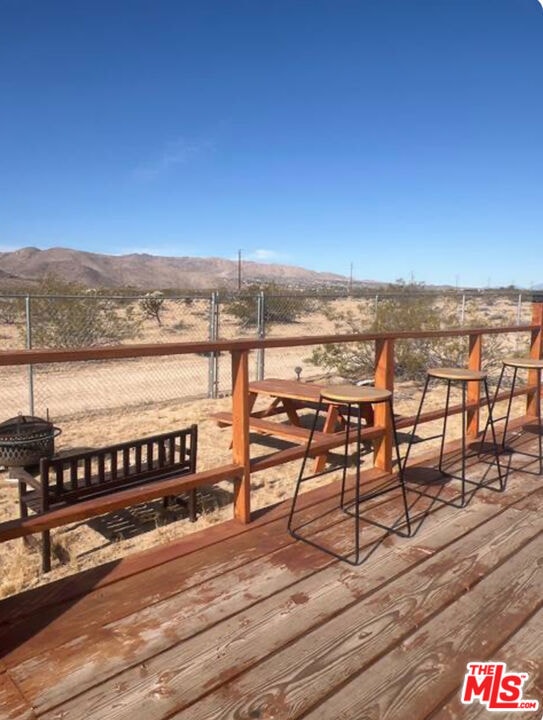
461 376
514 365
355 402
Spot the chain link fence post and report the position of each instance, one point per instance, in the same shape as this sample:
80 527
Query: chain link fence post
519 318
261 333
213 368
28 314
463 310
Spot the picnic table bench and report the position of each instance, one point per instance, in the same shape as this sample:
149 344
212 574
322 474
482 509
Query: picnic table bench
290 397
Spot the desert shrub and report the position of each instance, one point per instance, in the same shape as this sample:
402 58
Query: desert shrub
177 326
152 304
65 315
11 310
411 308
277 308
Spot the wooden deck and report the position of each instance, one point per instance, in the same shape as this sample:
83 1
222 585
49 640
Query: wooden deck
242 622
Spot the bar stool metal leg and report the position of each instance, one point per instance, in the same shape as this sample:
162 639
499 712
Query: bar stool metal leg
463 376
509 404
491 409
464 423
361 398
490 421
400 467
345 451
447 398
357 488
302 468
516 364
417 418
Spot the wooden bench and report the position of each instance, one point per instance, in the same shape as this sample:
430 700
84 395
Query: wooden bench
90 474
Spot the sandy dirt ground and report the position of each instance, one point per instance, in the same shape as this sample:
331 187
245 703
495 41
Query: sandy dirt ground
86 544
100 403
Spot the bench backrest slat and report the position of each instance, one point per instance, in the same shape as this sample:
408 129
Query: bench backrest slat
73 474
138 458
101 468
150 448
87 471
113 466
92 472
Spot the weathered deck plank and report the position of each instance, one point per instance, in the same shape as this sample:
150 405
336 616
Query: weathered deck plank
301 675
206 661
411 680
251 624
521 653
13 705
130 640
117 599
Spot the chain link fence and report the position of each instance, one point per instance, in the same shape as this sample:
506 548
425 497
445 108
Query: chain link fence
68 389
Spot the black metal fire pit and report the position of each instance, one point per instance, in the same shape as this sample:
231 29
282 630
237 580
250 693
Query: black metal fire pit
25 439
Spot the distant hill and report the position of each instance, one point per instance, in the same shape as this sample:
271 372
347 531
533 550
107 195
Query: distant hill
141 271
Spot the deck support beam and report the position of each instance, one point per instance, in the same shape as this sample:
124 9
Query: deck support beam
384 378
536 351
474 388
240 434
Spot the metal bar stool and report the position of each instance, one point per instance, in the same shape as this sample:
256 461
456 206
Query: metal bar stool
516 364
354 400
463 376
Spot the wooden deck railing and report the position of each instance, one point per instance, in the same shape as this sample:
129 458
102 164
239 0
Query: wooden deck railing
242 466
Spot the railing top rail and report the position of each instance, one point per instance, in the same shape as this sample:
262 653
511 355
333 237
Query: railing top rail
113 352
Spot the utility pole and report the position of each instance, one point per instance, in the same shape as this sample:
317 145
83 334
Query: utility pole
239 270
351 281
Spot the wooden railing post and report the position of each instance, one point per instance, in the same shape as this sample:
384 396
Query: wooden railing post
474 388
240 434
384 378
536 352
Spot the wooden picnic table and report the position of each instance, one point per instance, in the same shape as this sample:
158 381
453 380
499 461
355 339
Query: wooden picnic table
290 397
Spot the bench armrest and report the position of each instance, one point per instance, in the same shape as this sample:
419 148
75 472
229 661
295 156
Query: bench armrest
20 474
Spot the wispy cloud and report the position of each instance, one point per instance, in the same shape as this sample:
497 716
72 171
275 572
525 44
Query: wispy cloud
264 255
178 152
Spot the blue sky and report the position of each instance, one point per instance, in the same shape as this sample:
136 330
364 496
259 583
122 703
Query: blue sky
404 137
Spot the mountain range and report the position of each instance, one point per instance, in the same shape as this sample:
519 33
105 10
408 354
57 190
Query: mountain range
28 266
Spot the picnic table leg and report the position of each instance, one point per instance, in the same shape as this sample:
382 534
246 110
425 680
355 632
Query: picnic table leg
269 410
329 427
240 433
252 399
290 410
